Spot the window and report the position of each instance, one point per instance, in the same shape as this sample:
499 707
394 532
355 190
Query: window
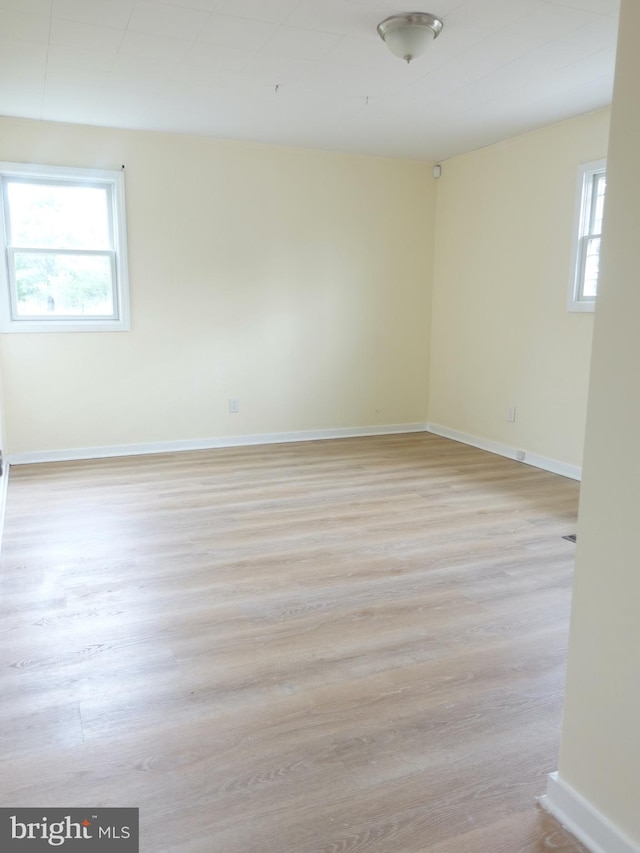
592 184
63 241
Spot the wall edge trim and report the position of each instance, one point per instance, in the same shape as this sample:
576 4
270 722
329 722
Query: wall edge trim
146 448
555 466
4 487
582 819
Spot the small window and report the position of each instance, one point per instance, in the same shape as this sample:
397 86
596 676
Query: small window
592 185
63 240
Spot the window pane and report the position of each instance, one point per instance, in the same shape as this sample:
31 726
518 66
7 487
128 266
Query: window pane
51 285
600 186
55 216
591 267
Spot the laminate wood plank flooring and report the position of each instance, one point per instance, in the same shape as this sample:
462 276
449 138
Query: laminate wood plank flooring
319 647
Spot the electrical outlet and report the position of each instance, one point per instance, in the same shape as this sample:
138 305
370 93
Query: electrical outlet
234 405
511 414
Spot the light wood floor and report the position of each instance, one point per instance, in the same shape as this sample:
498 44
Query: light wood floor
326 647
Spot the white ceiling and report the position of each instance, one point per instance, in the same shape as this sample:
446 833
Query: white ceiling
308 72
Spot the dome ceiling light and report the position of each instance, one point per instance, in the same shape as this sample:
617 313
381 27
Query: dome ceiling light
409 35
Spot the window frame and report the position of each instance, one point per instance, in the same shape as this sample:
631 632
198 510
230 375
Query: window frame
582 234
113 182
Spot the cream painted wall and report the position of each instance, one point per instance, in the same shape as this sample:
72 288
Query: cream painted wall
296 281
600 750
501 334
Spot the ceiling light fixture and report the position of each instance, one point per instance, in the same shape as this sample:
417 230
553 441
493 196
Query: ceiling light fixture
409 35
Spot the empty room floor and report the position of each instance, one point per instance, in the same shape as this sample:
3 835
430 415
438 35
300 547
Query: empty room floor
321 647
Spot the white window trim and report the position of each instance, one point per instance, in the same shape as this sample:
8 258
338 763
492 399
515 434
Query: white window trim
575 302
121 322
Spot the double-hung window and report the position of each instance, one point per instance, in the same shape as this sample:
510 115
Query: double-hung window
64 249
583 286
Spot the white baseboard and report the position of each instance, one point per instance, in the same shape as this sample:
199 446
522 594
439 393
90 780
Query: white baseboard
584 821
574 472
206 443
71 454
